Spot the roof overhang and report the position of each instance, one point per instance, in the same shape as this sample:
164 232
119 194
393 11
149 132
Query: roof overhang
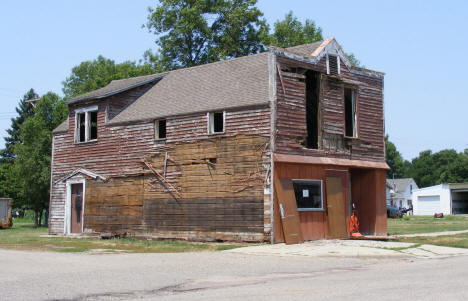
329 161
114 92
328 46
83 172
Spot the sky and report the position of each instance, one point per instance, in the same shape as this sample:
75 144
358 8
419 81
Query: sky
420 45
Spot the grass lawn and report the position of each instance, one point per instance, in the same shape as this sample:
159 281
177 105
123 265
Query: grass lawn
24 236
425 224
456 241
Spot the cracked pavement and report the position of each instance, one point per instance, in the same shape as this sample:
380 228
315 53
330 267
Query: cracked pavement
235 275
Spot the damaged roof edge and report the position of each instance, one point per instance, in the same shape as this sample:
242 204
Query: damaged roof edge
114 92
316 58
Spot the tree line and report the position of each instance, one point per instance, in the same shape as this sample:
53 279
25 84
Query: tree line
187 33
428 169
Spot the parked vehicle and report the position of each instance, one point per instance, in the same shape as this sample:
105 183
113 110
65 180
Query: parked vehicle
394 212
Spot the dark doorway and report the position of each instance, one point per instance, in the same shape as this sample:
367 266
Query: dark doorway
77 202
312 108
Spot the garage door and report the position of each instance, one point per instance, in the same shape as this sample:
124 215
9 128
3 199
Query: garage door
428 205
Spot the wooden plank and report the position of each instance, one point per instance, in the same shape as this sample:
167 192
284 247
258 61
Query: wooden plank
336 207
288 211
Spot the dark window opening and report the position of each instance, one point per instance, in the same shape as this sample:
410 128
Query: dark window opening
312 108
350 113
161 129
333 64
308 194
92 125
212 160
81 119
218 122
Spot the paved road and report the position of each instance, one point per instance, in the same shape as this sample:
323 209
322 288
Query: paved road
228 276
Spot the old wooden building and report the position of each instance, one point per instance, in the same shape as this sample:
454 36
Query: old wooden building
259 148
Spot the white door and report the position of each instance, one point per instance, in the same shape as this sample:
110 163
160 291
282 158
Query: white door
428 205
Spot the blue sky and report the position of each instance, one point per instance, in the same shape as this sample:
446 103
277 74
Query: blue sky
420 45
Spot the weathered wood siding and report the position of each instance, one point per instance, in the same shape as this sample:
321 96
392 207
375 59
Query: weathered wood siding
291 113
200 201
119 150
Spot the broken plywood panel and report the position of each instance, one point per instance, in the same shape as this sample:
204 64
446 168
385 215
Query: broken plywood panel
290 222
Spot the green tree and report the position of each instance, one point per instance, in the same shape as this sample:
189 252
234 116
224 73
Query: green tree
435 168
398 166
353 60
457 171
24 110
291 32
192 32
95 74
32 164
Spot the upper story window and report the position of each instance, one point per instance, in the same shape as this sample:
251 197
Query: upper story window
160 129
86 124
216 122
333 64
350 112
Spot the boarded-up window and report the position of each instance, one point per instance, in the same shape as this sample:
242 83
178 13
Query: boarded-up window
216 122
308 194
160 129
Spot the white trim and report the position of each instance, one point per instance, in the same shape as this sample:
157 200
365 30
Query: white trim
272 68
210 125
321 194
82 171
87 109
338 63
67 221
328 65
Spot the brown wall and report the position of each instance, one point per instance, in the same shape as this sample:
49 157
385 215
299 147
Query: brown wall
368 192
291 113
220 201
120 148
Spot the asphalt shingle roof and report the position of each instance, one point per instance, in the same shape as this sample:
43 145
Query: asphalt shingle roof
116 86
305 50
63 127
232 83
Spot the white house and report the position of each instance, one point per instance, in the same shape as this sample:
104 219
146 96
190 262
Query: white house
399 192
443 198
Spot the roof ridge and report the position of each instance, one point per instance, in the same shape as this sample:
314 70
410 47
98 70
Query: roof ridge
218 62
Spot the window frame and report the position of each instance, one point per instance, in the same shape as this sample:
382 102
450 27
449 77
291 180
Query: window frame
354 99
322 204
157 132
86 111
338 63
210 122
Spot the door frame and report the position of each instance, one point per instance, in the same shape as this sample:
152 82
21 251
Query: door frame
67 223
339 173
